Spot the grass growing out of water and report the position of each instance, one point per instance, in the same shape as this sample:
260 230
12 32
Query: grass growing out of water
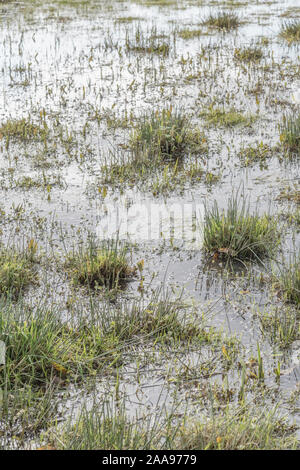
223 20
281 326
289 279
105 266
290 133
291 30
166 135
153 43
248 54
23 129
257 153
16 272
236 234
243 428
190 33
239 428
220 117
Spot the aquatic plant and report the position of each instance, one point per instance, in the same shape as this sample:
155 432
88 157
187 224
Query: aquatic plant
100 266
237 234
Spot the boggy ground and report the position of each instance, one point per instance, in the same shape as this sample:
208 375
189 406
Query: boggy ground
149 343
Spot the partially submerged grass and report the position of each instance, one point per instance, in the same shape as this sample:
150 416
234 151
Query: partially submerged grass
152 43
290 194
220 117
23 129
248 54
190 33
239 428
281 326
258 153
290 133
289 279
166 135
237 234
16 271
244 428
222 20
100 266
290 30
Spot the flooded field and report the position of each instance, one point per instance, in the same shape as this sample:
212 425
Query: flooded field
150 224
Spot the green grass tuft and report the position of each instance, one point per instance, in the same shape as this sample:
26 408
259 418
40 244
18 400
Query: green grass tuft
104 266
289 279
166 135
248 54
236 234
290 133
290 31
16 271
223 20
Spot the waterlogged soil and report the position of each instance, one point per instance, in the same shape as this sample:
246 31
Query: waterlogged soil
66 66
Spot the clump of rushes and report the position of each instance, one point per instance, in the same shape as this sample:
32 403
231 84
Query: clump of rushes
235 234
220 117
166 135
153 43
289 279
16 271
290 31
190 33
23 129
248 54
290 133
104 266
222 20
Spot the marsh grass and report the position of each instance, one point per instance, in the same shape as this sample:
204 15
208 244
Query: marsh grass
220 117
23 130
239 428
223 21
290 133
289 279
248 54
282 327
17 271
100 266
237 234
243 428
190 33
110 428
166 134
149 43
258 153
290 30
